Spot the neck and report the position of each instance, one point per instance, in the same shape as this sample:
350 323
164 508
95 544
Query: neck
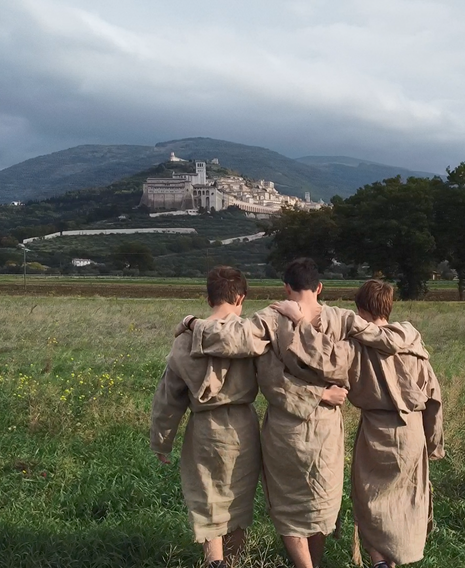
380 321
222 310
304 297
308 302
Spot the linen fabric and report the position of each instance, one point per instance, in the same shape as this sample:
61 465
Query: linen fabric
400 428
220 458
302 438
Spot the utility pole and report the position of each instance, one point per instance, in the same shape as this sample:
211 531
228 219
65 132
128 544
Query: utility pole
25 250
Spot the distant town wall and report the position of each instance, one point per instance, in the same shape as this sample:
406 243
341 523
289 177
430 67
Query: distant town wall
111 232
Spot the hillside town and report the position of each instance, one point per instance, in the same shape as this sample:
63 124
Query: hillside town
189 192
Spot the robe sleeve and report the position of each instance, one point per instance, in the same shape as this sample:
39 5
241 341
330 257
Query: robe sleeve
170 402
432 417
231 337
330 359
390 339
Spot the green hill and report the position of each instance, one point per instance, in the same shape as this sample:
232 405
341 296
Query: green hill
96 166
345 175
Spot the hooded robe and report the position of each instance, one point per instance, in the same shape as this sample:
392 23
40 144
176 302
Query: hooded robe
302 438
400 428
220 458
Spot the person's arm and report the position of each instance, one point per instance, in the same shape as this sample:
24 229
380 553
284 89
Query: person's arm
432 417
231 337
330 359
389 339
169 405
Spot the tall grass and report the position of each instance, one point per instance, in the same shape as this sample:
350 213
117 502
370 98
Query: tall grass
79 485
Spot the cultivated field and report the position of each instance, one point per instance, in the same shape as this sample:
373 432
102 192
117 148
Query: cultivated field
80 487
182 288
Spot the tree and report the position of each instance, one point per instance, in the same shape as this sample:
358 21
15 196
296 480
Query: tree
61 226
449 225
133 255
303 233
388 225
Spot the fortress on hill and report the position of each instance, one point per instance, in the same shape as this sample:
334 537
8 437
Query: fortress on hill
190 191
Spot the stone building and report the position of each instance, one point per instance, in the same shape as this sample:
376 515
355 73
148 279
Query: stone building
167 193
186 191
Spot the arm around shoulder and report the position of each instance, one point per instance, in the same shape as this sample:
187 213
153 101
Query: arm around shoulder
331 359
232 337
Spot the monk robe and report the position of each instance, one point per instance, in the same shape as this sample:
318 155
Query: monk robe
220 458
302 438
400 428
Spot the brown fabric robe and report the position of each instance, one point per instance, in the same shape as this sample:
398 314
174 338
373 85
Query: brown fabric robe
302 438
400 428
220 459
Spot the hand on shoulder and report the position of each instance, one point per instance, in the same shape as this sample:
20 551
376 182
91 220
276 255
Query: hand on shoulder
187 323
289 309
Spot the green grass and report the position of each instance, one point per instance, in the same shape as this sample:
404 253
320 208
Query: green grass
80 487
18 278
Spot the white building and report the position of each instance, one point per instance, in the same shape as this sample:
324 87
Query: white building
174 158
82 262
186 191
167 193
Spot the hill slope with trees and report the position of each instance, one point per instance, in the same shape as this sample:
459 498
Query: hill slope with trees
94 165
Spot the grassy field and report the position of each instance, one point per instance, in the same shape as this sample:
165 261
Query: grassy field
80 487
33 278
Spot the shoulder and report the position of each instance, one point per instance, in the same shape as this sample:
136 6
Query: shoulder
269 317
336 320
181 348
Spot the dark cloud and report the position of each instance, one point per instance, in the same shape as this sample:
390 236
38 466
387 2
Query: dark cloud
381 81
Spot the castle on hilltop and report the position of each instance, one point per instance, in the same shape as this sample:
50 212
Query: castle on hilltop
192 191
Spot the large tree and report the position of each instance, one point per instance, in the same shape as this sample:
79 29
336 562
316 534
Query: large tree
388 225
449 226
303 233
133 254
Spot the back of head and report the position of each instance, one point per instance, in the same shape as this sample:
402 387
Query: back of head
375 297
224 284
302 274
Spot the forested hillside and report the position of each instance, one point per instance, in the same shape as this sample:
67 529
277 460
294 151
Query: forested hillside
94 166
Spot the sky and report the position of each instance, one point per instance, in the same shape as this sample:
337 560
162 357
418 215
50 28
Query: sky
382 81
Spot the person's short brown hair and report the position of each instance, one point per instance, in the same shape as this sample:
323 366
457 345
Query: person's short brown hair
375 297
224 284
302 274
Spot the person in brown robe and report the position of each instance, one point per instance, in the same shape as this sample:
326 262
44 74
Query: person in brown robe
400 426
220 459
302 435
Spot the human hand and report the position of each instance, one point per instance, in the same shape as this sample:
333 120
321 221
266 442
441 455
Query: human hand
187 323
334 395
163 459
289 309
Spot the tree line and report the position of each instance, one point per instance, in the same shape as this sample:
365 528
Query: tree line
400 229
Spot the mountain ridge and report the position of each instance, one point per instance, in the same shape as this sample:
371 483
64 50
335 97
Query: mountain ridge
92 165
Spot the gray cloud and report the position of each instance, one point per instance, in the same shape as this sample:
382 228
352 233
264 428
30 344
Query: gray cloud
382 81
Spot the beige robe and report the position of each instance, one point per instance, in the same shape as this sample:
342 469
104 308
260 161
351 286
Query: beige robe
302 438
220 459
400 428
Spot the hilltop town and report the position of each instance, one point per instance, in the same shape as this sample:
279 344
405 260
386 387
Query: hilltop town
188 192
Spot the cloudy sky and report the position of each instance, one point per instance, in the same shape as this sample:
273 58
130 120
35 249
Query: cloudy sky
383 81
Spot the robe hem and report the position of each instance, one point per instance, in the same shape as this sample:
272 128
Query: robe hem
303 533
222 532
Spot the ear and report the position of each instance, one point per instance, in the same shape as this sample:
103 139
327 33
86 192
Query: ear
288 289
240 299
319 288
